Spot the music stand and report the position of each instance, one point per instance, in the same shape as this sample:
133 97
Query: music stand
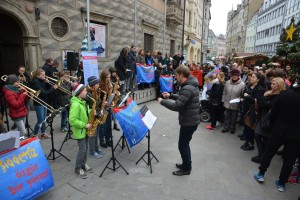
113 159
69 132
27 126
49 120
122 138
149 154
123 143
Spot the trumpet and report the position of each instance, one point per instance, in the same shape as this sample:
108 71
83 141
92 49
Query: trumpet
53 81
22 78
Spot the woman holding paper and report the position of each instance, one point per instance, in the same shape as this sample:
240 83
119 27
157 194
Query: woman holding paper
233 89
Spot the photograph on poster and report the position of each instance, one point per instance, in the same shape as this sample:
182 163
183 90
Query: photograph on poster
64 57
98 38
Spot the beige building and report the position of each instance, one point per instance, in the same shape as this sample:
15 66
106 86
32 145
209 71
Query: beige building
33 30
237 21
195 14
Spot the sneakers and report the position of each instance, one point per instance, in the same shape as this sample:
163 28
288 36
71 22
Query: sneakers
224 131
64 129
87 168
249 147
80 173
280 186
95 155
109 143
45 136
100 152
259 178
210 127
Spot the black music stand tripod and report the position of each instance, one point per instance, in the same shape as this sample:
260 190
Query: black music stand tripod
49 120
113 159
69 132
27 126
123 142
149 154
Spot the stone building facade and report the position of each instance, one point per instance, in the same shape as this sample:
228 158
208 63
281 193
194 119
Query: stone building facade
237 21
47 28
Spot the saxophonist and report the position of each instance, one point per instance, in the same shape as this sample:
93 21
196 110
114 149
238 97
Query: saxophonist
105 129
94 92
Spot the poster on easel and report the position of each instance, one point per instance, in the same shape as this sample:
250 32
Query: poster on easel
90 65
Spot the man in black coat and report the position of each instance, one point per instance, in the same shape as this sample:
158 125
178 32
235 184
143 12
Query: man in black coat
284 122
177 60
187 104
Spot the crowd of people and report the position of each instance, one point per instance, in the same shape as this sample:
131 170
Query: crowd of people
265 102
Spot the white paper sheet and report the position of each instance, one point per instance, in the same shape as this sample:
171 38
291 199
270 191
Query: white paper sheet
237 100
149 119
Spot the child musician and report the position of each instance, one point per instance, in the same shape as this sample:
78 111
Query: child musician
105 129
16 101
93 91
39 83
78 119
64 99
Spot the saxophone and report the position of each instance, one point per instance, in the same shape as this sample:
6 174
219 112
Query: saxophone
105 109
92 118
116 92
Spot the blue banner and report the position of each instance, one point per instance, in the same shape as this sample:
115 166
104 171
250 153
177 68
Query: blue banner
166 83
130 120
145 73
25 173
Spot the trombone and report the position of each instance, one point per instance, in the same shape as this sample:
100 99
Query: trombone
53 81
33 94
55 74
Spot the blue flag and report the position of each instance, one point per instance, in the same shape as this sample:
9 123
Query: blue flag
25 173
145 73
166 83
130 120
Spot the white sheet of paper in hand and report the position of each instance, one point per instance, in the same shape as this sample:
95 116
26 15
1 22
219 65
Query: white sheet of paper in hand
149 119
235 100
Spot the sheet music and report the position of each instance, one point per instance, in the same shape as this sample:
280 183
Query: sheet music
149 119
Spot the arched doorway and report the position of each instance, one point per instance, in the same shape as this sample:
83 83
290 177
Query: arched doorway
11 45
198 56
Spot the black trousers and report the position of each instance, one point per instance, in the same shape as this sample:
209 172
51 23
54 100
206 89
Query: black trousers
290 154
216 114
185 136
260 143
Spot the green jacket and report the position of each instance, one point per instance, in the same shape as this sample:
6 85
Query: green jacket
78 117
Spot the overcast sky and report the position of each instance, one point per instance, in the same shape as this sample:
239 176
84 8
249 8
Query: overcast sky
219 10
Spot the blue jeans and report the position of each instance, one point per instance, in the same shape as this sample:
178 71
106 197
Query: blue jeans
105 129
41 114
185 136
64 118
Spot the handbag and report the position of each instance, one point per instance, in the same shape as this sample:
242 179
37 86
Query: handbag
250 118
265 119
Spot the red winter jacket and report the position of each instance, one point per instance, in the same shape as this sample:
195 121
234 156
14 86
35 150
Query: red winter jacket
16 102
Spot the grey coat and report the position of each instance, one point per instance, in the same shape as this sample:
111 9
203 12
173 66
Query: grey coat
186 103
232 91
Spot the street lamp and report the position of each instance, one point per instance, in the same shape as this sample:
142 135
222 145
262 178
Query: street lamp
188 41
